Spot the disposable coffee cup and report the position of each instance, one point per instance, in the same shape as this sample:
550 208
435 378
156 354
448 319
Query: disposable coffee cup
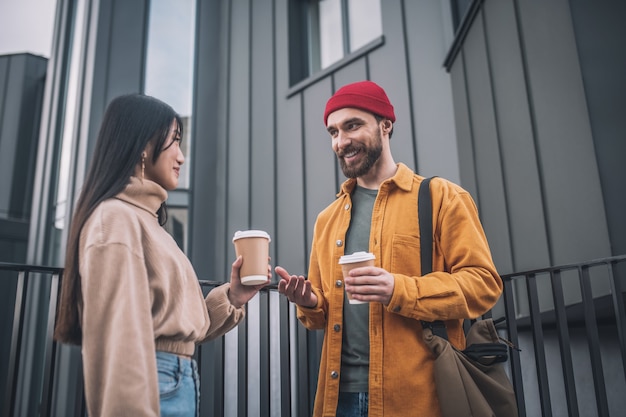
356 260
254 247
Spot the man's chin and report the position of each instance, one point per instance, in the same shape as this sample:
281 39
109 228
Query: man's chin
350 172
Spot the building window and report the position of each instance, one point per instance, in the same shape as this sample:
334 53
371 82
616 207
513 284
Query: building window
169 77
322 32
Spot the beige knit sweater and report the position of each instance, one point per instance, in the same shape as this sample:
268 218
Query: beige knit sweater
140 294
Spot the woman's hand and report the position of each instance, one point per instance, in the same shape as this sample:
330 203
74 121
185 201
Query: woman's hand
240 294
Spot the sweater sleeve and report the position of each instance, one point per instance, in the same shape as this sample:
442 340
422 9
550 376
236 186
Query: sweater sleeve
222 314
118 341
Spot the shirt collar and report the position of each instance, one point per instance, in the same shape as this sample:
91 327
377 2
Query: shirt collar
403 179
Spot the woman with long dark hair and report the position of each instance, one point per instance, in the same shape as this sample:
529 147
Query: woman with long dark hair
130 296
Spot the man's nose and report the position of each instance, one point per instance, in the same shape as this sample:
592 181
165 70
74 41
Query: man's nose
343 140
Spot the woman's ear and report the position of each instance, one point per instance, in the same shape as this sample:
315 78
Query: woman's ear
148 151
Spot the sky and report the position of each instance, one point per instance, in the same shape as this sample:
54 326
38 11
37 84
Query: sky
26 26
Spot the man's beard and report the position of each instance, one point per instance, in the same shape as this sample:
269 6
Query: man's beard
371 156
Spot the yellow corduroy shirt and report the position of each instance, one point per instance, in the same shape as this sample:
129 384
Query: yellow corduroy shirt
140 294
400 373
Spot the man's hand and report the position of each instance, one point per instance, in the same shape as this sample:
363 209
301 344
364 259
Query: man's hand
369 283
296 288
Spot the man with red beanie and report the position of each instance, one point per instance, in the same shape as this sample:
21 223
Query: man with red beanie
374 361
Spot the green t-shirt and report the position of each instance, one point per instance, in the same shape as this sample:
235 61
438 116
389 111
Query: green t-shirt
355 352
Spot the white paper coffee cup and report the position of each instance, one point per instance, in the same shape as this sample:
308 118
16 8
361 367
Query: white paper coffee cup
356 260
253 246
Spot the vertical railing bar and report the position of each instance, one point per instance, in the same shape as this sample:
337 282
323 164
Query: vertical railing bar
50 348
564 343
540 354
16 341
294 360
512 336
80 402
302 370
593 339
618 306
211 368
285 352
242 370
264 348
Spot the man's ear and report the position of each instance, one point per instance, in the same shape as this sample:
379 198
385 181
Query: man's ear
387 125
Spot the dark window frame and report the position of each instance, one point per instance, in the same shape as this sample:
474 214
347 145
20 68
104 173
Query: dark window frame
304 48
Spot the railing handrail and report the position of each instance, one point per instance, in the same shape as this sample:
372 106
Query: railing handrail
593 262
11 266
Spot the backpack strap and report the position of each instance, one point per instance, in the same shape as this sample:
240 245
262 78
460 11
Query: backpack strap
425 218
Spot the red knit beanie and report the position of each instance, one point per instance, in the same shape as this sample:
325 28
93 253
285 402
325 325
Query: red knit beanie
363 95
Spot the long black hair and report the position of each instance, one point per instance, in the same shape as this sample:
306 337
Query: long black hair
130 122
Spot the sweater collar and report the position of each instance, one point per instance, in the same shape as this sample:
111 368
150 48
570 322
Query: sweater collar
403 179
145 194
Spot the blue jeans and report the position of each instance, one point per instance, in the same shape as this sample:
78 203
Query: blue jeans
179 385
352 404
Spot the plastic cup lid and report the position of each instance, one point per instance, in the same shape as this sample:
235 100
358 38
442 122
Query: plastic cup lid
356 257
251 233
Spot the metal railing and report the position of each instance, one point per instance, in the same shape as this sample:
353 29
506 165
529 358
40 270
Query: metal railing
22 276
539 305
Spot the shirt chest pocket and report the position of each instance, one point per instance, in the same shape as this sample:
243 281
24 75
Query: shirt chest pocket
405 255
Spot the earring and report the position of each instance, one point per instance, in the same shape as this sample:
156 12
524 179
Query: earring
143 165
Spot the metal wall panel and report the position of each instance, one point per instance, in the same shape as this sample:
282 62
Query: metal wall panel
430 89
8 128
208 152
463 125
318 157
600 39
565 149
117 54
22 79
238 179
291 233
534 160
490 197
262 120
528 238
388 67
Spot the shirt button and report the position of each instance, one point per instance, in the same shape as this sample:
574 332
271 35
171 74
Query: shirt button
338 283
334 375
339 243
347 206
336 327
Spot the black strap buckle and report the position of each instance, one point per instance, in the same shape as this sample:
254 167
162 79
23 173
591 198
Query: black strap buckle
438 328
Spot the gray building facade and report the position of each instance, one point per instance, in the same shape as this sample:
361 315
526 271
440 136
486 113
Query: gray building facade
519 101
